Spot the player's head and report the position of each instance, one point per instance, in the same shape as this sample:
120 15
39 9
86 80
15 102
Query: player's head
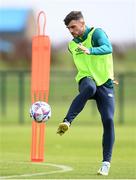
75 23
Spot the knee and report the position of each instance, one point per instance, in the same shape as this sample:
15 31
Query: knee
108 123
90 90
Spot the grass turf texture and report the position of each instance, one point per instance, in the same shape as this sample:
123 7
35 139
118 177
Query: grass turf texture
79 148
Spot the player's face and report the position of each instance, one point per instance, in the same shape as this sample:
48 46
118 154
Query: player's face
76 27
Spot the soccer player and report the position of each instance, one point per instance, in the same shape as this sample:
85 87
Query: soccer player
92 55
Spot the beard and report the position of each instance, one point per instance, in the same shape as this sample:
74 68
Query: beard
74 35
78 34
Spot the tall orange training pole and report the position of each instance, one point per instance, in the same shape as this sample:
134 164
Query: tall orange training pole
39 86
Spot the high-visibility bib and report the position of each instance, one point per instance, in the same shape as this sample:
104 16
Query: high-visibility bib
98 67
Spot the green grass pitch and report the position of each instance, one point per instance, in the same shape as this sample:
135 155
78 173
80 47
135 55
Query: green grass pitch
79 148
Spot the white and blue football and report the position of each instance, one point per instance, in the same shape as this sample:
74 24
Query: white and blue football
40 111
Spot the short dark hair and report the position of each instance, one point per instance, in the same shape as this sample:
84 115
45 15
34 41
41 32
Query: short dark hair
73 15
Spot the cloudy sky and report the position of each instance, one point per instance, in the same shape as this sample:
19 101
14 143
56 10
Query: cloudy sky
116 17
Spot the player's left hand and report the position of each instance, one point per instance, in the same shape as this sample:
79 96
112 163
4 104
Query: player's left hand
83 48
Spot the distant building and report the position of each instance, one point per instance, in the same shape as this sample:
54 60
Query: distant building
17 26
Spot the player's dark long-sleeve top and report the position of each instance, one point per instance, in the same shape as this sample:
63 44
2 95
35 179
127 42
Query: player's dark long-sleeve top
100 42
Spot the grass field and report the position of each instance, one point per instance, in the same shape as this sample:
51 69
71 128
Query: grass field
79 149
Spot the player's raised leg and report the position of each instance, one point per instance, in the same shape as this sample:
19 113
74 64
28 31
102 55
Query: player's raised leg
87 88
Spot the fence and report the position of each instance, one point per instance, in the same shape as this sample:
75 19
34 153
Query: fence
15 96
4 90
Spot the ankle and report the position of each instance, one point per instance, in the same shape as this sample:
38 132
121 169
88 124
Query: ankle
67 122
106 163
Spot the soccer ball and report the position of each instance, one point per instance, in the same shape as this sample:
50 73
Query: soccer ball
40 111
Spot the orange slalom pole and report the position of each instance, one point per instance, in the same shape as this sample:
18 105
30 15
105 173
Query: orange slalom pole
34 140
39 86
41 141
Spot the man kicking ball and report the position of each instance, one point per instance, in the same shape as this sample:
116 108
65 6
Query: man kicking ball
92 55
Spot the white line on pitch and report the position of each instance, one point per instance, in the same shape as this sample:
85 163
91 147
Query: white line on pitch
63 169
